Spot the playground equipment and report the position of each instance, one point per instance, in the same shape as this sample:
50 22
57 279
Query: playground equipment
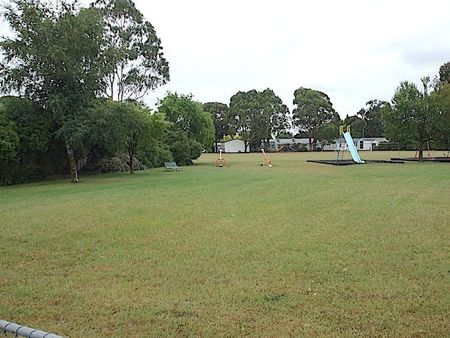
266 159
350 146
220 162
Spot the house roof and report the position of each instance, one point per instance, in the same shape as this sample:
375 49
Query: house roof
369 139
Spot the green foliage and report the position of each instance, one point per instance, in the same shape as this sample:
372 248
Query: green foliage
134 52
130 125
219 114
13 173
152 151
118 163
184 149
188 115
55 58
270 117
195 149
412 117
314 109
284 134
257 116
42 60
444 73
328 133
242 106
442 98
356 124
231 137
390 146
297 147
371 119
34 124
103 139
9 140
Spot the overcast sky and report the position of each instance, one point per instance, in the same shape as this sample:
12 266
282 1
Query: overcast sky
353 50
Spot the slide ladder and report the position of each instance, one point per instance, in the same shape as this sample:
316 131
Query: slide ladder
351 147
340 155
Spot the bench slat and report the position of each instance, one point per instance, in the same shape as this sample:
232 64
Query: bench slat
171 165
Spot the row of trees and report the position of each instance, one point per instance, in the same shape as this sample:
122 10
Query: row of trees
417 117
112 136
412 119
77 76
257 116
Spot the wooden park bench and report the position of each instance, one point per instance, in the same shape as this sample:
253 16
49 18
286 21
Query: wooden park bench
171 166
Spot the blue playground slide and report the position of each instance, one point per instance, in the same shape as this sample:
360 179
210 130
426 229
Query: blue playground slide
352 148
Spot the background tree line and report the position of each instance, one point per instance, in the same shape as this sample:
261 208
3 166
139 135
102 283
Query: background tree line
414 118
74 77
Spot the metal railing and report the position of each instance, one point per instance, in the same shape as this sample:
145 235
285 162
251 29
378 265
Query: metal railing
23 331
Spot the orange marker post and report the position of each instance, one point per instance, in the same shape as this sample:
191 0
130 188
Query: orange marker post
267 159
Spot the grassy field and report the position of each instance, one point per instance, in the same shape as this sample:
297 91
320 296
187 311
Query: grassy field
299 249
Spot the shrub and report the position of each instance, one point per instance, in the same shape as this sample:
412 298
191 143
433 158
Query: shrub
154 154
118 164
299 147
196 149
13 173
183 148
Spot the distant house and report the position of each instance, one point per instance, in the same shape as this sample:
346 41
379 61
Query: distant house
292 144
279 143
366 143
234 146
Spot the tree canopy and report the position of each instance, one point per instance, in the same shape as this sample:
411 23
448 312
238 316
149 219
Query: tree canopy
371 118
135 59
55 65
444 73
257 116
74 78
219 114
188 115
130 125
412 116
314 109
242 106
9 140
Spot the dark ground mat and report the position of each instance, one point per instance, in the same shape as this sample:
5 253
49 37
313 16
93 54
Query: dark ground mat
426 159
351 162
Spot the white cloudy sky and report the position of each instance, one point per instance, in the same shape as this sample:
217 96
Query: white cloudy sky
354 50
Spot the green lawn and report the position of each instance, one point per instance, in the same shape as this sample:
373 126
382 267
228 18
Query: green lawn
299 249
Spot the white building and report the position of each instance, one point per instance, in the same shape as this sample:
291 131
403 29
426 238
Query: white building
234 146
366 143
363 144
279 143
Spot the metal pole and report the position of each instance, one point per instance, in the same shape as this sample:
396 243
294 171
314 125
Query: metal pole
24 331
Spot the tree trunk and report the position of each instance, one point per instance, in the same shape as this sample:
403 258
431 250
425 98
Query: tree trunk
245 146
420 151
130 163
310 144
72 164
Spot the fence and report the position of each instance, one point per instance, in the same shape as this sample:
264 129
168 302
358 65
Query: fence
16 330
